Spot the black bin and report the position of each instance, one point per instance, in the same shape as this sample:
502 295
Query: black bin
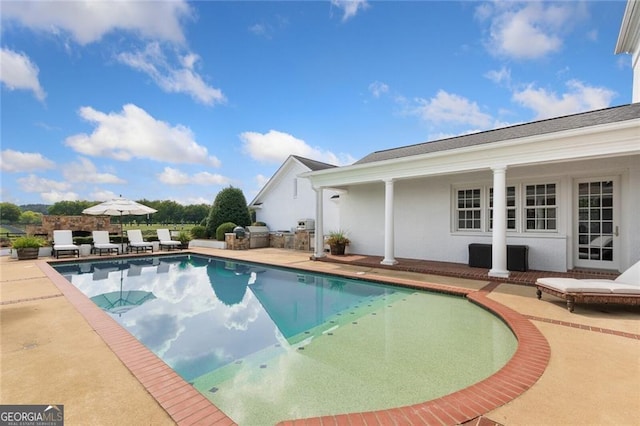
517 257
480 255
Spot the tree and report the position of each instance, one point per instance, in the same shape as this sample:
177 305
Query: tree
70 208
36 208
9 213
195 213
30 218
229 206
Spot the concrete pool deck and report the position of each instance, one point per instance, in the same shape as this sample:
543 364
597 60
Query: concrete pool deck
51 354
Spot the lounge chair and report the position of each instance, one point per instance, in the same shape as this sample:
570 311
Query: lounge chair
101 243
63 244
165 239
623 290
136 242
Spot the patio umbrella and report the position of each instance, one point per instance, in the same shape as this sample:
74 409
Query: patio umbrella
119 207
119 302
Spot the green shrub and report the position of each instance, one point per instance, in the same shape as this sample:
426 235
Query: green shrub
259 223
338 237
199 232
184 237
225 228
82 240
28 241
229 206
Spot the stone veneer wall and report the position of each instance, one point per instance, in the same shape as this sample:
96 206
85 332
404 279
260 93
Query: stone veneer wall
281 240
303 240
234 243
74 223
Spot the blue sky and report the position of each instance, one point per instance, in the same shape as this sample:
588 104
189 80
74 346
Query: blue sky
173 100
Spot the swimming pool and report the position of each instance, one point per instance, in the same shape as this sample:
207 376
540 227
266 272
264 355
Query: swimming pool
267 344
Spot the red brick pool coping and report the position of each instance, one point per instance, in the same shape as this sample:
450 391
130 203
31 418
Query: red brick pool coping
187 406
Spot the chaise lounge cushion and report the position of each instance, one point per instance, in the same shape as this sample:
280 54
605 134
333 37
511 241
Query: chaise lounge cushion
164 236
625 289
63 243
569 285
101 242
137 242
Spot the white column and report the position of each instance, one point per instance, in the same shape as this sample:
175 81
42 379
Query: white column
389 236
499 234
319 246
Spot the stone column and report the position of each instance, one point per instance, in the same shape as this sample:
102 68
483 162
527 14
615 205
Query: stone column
389 236
499 233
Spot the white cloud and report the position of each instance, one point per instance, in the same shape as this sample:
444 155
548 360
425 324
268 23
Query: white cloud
87 21
133 133
501 76
103 195
378 89
33 183
261 180
275 147
350 8
528 30
55 196
171 176
171 77
578 98
450 108
85 171
16 161
17 72
259 29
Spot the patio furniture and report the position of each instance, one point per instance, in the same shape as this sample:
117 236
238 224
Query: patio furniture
136 242
63 243
101 243
164 236
624 290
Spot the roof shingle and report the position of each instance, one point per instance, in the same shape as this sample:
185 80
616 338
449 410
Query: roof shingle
551 125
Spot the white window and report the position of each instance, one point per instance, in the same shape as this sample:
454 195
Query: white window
512 212
295 187
530 208
540 207
468 209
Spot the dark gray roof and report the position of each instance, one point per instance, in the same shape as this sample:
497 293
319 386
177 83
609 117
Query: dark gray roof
313 165
551 125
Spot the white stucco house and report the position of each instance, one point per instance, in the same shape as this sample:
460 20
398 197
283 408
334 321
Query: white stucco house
286 198
568 188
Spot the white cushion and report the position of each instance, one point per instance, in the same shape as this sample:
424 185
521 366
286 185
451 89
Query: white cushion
105 245
631 276
625 289
572 285
65 247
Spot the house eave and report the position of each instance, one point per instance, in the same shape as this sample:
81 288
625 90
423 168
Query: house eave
629 37
571 145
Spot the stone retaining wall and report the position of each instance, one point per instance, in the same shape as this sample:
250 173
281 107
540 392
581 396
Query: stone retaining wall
84 224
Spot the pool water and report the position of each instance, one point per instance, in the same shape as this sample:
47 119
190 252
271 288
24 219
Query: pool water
268 344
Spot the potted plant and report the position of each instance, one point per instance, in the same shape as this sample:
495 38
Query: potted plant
337 241
184 237
27 247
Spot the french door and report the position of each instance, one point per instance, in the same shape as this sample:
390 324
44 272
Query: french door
597 232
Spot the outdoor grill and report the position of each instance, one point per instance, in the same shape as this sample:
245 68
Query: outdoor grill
258 236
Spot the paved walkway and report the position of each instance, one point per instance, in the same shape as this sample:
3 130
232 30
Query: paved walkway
51 354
